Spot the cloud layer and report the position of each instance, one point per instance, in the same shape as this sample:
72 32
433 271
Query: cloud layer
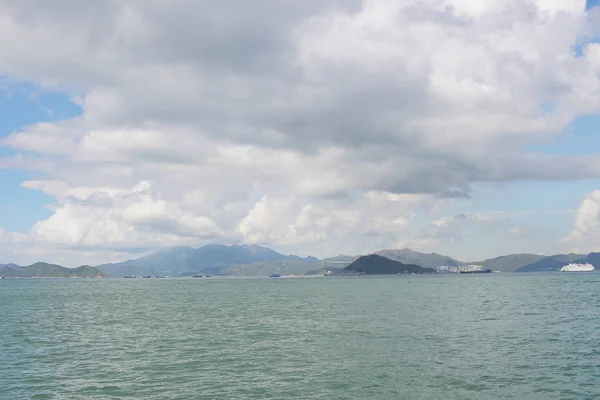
314 125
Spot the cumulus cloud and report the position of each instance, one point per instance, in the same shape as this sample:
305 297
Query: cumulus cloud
298 123
586 225
459 227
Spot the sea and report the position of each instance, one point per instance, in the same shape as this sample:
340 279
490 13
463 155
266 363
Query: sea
488 336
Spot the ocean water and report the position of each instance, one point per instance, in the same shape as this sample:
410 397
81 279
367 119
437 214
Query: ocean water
496 336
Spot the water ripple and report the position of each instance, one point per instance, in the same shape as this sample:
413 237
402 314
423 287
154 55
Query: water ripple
443 337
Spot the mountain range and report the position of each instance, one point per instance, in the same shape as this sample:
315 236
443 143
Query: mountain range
216 259
255 260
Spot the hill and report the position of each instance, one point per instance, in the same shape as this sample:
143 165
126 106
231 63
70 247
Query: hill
511 262
377 265
592 258
45 270
216 259
551 263
426 260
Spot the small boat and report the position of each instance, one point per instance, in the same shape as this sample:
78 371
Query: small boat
159 276
147 276
1 277
208 276
274 276
197 276
129 276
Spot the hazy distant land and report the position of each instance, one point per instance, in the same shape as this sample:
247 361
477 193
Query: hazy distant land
254 260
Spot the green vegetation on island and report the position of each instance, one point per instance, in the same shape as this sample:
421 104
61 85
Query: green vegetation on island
377 265
45 270
425 260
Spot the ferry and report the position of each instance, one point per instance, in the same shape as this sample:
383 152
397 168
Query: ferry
577 267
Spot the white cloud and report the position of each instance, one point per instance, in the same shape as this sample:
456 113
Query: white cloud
584 237
516 231
307 125
135 219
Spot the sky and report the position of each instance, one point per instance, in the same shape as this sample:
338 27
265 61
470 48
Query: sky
461 127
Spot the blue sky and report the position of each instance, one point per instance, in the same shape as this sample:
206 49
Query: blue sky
21 105
312 143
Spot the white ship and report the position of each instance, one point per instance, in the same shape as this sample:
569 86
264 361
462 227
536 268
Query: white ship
574 267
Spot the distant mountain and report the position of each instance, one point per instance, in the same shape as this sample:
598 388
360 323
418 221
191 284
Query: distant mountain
265 268
212 258
551 263
377 265
592 258
425 260
45 270
340 259
511 262
2 266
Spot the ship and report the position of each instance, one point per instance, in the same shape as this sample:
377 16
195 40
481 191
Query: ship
577 267
474 269
197 276
274 276
129 276
477 271
147 276
328 273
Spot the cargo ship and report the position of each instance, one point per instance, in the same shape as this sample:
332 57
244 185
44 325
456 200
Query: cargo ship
474 269
477 271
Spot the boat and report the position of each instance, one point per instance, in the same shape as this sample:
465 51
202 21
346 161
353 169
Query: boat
473 269
274 276
328 273
208 276
1 277
477 271
147 276
159 276
197 276
129 276
577 267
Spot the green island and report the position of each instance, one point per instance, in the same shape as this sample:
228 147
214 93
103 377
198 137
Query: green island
377 265
45 270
